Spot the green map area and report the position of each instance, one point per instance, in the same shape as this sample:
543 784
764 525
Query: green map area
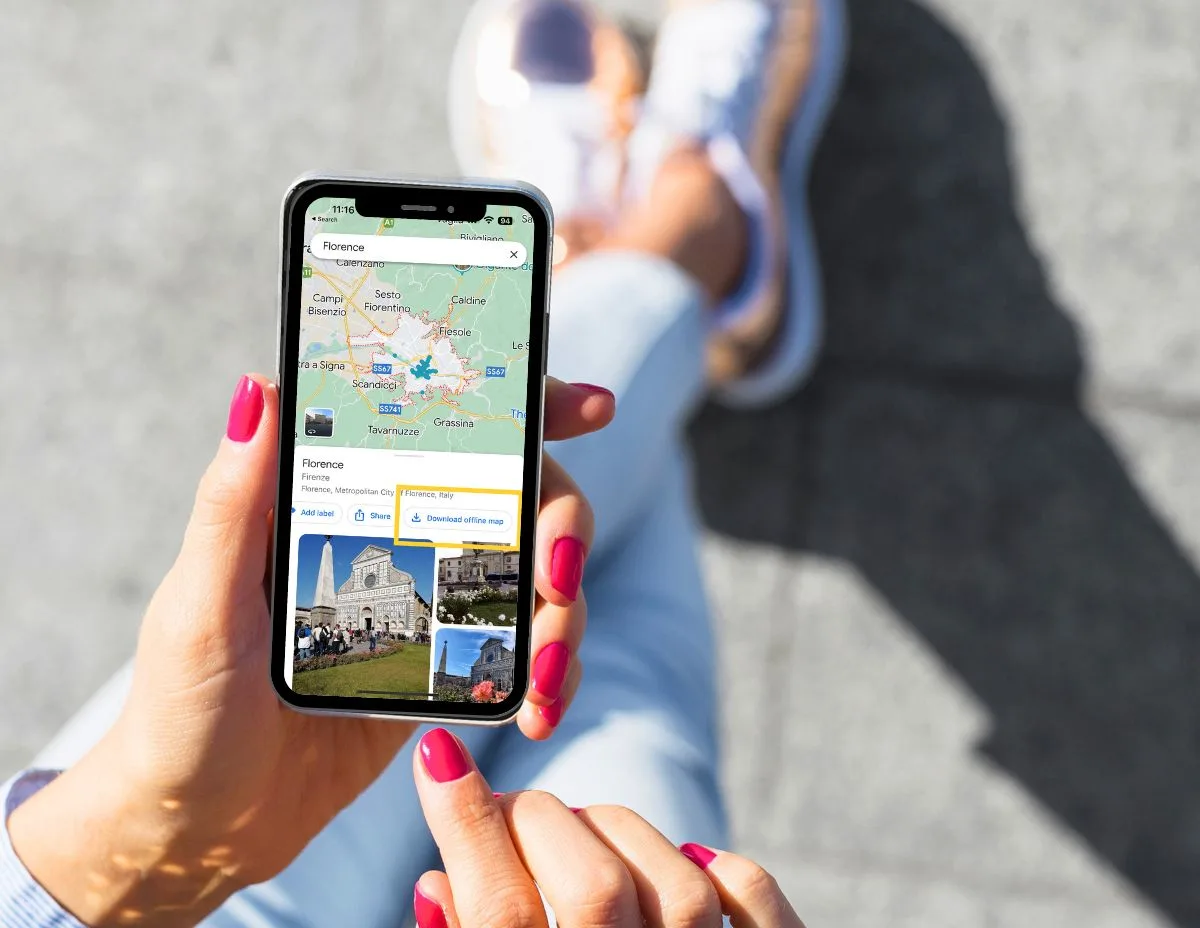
414 357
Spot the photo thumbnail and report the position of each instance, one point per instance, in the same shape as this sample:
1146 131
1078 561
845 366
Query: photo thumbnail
478 587
474 665
362 621
318 422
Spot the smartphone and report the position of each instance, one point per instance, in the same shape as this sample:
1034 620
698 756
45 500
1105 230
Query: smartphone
412 358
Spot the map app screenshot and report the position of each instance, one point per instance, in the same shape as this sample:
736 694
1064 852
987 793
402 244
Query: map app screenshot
410 426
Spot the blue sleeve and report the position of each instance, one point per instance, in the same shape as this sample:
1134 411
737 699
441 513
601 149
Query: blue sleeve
23 902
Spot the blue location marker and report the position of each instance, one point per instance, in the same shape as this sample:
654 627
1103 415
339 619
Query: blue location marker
424 369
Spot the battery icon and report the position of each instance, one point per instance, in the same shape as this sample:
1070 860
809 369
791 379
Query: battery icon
504 220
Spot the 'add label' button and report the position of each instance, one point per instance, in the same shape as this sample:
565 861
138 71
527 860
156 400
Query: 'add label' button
316 512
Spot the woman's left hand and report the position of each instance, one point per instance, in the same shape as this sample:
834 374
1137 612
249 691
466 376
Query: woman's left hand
207 782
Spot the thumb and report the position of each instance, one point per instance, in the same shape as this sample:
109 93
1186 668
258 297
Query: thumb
224 551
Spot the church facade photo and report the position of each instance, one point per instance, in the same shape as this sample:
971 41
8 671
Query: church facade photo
380 596
495 661
376 595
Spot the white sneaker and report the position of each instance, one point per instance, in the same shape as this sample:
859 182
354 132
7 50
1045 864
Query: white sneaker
548 91
545 91
754 80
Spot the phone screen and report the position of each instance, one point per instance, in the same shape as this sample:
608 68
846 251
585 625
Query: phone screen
411 383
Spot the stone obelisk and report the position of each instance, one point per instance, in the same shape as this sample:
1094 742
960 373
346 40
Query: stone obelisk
324 606
439 678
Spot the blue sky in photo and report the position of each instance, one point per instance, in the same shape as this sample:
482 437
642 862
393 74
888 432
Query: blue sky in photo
465 645
416 561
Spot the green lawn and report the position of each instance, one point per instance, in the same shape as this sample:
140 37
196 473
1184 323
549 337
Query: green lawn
406 672
490 613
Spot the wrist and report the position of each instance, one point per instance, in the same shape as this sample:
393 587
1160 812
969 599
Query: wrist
112 851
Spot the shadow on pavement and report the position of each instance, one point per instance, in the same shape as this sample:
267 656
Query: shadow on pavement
942 450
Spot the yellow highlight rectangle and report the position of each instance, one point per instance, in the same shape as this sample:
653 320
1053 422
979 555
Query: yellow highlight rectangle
400 487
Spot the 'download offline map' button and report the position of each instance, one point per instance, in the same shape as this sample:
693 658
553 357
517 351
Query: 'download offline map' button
458 517
477 519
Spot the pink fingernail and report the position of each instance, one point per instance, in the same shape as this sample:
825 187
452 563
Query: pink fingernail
592 388
245 410
698 854
443 756
566 566
552 714
574 809
550 670
428 913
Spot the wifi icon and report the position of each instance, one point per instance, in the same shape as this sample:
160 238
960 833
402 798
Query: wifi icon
488 220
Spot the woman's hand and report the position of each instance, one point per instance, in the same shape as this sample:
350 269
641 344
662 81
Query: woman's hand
207 783
600 867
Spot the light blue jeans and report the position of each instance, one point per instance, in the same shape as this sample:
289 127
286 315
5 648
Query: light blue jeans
642 729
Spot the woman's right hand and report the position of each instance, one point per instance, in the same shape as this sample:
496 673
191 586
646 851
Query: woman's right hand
600 866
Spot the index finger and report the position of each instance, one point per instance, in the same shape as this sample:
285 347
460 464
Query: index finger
491 886
574 409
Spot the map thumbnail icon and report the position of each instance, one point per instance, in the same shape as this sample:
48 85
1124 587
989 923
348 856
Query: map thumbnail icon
318 422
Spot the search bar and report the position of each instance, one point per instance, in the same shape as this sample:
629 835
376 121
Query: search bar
398 249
